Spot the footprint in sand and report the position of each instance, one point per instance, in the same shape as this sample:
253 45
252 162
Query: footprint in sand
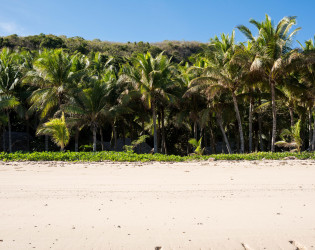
246 247
297 245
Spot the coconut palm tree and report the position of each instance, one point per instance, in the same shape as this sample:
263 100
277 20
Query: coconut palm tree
55 78
151 77
271 45
193 103
223 75
57 129
89 106
307 76
10 75
99 64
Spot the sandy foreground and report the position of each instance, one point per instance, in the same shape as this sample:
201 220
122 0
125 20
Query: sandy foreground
199 205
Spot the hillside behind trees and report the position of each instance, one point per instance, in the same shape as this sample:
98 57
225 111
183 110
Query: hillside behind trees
178 50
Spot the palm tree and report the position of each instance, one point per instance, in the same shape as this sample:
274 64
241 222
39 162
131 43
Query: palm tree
55 77
88 107
57 129
271 45
223 75
99 64
193 103
307 73
294 136
55 74
151 77
10 75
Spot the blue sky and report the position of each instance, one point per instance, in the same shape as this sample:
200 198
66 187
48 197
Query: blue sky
147 20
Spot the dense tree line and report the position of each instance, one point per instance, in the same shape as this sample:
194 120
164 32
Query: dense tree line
179 51
243 96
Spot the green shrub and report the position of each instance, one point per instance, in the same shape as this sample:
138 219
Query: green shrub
132 157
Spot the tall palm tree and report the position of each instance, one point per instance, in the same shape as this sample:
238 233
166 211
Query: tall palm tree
151 76
54 76
193 103
10 75
307 74
271 45
89 106
223 75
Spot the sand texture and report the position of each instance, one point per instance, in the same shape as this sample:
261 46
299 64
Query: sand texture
196 205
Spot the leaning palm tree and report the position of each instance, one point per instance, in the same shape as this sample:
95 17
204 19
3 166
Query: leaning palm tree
271 46
151 77
223 75
57 129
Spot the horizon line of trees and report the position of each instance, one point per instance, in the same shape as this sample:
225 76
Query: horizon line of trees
238 95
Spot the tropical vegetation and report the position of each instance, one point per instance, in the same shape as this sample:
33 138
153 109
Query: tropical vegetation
182 98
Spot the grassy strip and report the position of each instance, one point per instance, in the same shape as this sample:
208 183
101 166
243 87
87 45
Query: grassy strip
131 157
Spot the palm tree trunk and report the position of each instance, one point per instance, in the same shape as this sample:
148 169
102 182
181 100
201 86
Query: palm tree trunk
212 139
154 126
291 116
261 144
28 133
76 140
9 128
3 138
164 150
250 125
159 132
219 119
237 136
313 141
238 117
115 136
204 135
46 143
195 130
274 115
201 135
94 138
102 141
143 133
124 135
302 117
310 128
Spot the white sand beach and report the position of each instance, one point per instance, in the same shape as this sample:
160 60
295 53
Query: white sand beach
198 205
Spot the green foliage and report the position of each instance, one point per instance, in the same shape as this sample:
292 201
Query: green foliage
133 157
86 148
128 148
179 50
197 145
57 129
189 88
293 135
135 143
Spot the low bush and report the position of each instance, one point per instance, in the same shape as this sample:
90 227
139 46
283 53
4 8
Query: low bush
131 157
